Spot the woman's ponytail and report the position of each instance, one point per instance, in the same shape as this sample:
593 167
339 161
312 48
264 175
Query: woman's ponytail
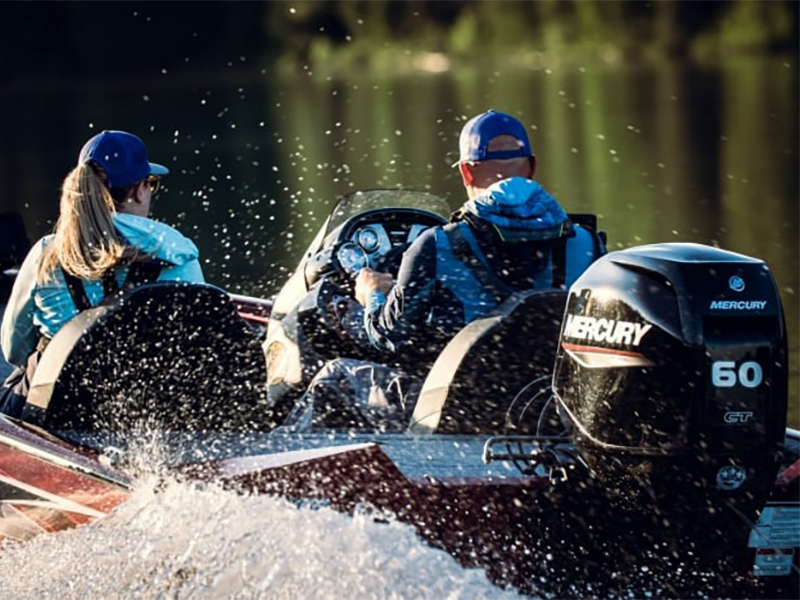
86 243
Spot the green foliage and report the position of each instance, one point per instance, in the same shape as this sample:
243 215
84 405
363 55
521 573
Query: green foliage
335 35
515 30
464 34
756 24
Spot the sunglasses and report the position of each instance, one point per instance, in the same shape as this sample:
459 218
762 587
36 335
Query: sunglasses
153 183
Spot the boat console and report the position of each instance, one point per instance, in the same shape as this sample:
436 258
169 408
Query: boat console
315 317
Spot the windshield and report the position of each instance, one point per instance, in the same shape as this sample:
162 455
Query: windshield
362 201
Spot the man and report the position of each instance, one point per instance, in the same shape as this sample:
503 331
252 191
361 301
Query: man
511 235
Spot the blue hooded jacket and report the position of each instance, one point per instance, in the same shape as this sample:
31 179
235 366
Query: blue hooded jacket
436 292
520 210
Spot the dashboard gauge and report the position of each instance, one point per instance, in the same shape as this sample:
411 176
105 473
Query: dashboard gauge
352 258
368 239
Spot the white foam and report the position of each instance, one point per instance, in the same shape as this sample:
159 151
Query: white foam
181 541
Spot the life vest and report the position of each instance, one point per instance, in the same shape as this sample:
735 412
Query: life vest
15 388
140 272
464 271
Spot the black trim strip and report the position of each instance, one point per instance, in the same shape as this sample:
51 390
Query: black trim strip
477 265
559 263
77 291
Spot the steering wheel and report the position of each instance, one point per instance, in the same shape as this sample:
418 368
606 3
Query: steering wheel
337 307
350 258
339 314
390 262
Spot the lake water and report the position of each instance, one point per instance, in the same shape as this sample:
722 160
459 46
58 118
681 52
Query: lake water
668 152
661 152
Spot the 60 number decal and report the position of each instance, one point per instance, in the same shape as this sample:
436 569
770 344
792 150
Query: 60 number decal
725 374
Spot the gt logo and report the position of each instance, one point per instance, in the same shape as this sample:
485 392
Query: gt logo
734 417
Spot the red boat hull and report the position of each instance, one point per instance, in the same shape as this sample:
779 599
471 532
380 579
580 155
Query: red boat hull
47 485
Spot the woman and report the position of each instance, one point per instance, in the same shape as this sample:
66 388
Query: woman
103 242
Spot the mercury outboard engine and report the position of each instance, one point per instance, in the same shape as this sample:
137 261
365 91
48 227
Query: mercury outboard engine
672 372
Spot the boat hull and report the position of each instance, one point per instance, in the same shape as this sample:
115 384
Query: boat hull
485 516
47 486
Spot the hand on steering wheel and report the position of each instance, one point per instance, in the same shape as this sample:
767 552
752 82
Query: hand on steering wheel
369 281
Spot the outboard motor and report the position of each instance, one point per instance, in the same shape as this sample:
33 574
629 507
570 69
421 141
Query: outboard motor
672 373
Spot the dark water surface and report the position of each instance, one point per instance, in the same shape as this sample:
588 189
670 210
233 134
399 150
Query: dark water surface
666 152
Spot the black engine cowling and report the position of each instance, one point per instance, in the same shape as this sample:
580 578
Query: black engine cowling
672 371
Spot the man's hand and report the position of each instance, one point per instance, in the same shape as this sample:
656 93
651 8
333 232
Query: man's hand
368 281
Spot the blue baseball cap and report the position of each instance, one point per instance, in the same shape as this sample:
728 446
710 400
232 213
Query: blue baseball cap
122 156
479 131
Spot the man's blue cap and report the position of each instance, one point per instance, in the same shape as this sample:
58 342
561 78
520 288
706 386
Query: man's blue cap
479 131
122 156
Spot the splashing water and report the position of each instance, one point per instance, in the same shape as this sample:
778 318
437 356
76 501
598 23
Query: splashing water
173 539
177 540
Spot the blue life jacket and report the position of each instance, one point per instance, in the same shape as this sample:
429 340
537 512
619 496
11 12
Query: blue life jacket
465 271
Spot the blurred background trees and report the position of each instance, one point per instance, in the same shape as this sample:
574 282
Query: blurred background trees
93 38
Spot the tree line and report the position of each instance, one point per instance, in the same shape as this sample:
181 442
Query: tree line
92 38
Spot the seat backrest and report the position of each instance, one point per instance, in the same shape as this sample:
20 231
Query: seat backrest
491 365
166 356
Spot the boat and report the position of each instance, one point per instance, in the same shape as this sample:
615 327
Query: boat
513 484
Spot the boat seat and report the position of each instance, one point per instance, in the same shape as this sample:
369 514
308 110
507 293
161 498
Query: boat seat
488 373
165 356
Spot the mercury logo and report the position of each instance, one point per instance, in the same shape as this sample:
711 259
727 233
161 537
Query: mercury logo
738 304
605 330
736 283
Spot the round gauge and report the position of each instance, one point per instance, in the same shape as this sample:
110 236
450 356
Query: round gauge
352 258
368 239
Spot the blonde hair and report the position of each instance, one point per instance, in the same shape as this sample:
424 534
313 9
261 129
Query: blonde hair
86 243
